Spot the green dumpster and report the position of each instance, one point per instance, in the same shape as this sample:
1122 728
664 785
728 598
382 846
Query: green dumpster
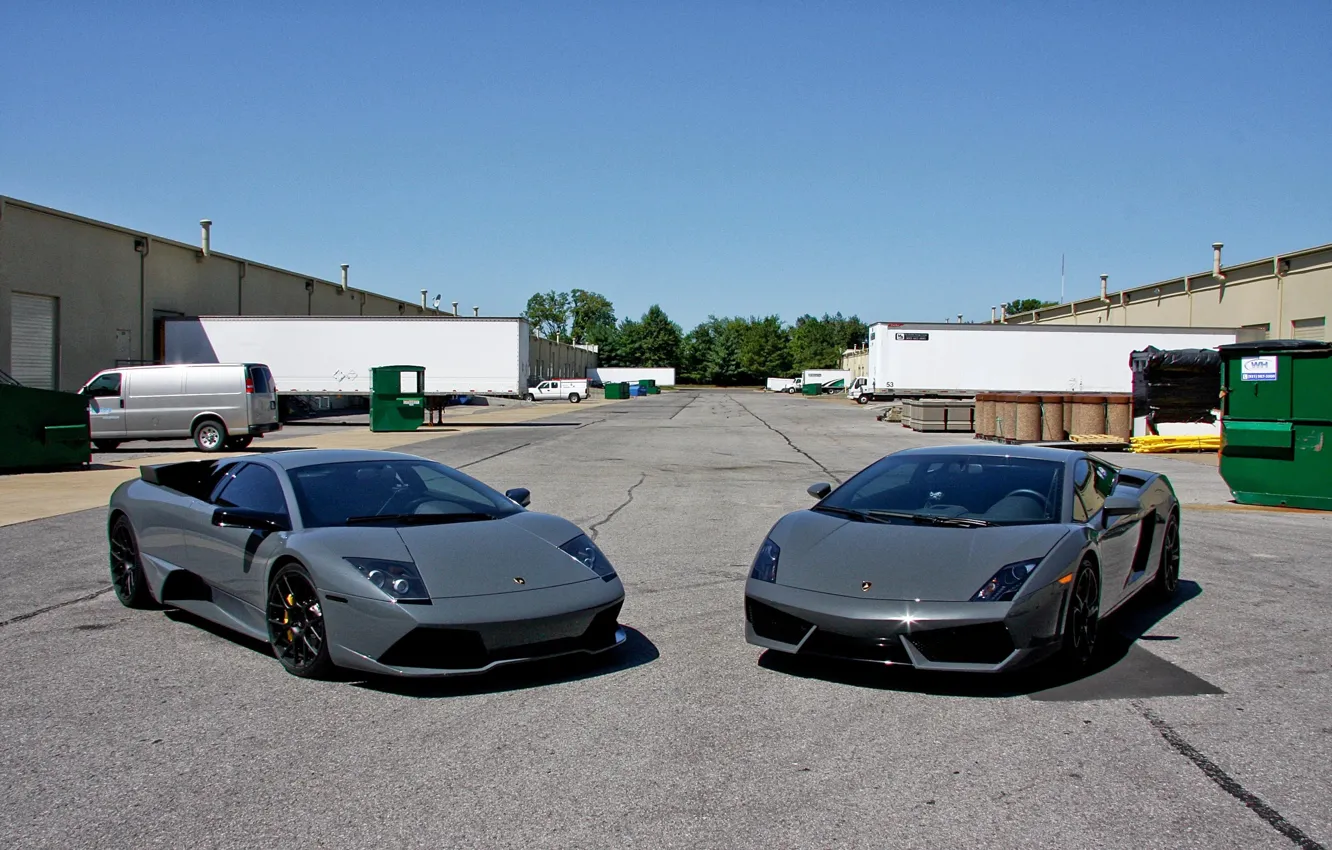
1276 424
812 389
397 398
617 390
41 428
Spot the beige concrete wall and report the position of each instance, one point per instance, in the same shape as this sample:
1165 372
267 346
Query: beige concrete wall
550 359
95 272
856 360
1252 294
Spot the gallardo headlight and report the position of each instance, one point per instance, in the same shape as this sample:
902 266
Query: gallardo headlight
583 550
1005 584
399 579
765 562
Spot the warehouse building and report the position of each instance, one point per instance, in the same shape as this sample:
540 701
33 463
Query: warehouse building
78 296
1288 296
856 361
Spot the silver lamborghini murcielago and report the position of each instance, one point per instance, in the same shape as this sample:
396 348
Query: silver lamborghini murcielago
965 558
376 561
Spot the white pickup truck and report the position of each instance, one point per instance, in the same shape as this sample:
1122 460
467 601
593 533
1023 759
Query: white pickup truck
574 389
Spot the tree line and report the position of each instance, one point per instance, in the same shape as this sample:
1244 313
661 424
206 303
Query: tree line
726 351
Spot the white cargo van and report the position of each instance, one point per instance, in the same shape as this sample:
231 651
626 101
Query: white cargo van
574 389
783 385
219 405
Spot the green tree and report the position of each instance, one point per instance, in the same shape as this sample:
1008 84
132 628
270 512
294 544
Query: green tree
1026 305
593 316
696 352
765 350
819 343
656 339
548 314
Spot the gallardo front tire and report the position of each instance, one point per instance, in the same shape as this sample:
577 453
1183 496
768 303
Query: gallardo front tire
1083 620
296 624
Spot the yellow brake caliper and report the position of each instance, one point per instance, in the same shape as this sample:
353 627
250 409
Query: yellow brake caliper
286 616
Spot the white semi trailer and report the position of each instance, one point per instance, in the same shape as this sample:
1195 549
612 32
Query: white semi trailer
323 355
910 360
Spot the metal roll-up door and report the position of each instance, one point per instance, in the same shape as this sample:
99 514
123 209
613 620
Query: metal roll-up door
1310 328
32 340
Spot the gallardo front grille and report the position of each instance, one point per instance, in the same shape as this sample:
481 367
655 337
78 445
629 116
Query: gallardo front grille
770 623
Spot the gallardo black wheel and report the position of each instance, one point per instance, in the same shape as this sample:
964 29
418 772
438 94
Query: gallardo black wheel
296 624
1083 619
1167 575
126 570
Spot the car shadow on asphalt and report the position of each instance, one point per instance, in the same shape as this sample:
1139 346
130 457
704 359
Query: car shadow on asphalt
1121 668
636 651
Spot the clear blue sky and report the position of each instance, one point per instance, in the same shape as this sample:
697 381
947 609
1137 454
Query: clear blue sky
900 161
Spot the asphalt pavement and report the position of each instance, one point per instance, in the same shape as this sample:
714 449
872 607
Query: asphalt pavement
1206 724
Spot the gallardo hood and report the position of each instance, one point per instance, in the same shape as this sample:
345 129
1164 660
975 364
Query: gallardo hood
830 554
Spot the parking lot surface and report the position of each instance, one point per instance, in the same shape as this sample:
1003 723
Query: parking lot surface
1207 723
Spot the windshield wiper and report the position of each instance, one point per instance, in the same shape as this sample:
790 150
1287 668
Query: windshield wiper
849 513
418 519
961 522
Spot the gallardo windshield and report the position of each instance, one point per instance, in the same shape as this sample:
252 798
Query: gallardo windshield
964 490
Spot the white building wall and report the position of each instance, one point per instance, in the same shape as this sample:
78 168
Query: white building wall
109 292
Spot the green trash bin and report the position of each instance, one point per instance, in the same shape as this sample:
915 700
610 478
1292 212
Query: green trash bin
1276 423
617 390
42 429
812 389
397 398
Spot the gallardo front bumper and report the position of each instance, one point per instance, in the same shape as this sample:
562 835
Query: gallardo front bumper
974 637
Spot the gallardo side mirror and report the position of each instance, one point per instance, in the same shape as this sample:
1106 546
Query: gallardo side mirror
819 490
521 495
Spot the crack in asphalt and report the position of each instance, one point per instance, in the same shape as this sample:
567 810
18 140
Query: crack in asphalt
491 457
683 409
40 611
826 471
1225 781
594 528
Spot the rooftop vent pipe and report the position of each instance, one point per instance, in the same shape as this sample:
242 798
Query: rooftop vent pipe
205 225
455 308
1216 260
344 276
993 312
1003 313
1104 285
476 311
423 298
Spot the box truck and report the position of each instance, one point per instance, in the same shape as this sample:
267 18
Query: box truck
829 380
602 375
910 360
783 385
322 355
